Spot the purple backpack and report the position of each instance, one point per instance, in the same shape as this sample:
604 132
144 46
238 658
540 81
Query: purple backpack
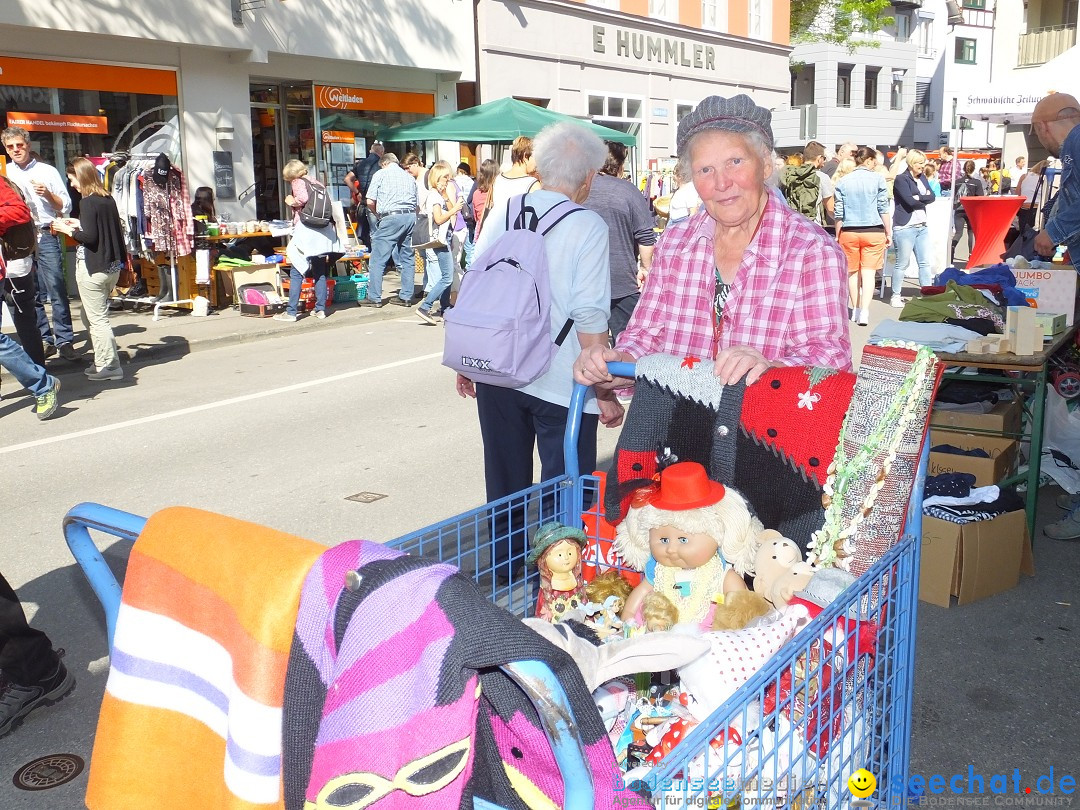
499 330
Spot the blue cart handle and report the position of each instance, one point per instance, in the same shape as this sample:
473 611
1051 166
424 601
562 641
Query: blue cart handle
573 421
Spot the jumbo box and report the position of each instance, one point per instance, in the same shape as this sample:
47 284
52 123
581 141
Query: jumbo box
1051 290
987 471
1004 417
972 560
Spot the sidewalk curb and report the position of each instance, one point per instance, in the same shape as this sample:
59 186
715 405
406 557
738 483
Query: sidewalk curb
339 317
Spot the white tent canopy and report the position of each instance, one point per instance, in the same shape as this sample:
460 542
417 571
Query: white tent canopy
1013 101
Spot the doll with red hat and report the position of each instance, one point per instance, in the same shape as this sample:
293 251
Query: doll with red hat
692 537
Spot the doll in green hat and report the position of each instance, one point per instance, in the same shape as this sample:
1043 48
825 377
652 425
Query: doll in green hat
556 553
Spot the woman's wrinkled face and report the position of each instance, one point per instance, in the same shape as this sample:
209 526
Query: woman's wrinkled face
729 175
916 164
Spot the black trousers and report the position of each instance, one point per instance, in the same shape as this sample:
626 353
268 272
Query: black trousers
21 295
511 424
26 655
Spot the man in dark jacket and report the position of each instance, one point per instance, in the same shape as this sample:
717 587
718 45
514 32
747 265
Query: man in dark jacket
359 179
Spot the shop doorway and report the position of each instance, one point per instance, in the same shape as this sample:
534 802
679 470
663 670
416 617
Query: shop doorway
282 129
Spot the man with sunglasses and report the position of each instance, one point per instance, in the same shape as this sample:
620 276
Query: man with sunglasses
47 194
1056 123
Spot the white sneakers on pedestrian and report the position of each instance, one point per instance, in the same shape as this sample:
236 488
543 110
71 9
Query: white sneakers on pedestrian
861 316
285 316
896 302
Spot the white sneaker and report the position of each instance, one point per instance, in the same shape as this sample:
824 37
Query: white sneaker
897 302
285 316
1067 501
320 315
864 316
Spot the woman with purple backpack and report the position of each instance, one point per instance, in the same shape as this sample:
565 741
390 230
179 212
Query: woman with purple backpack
514 421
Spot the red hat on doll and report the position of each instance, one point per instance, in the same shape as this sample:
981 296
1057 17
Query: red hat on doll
686 485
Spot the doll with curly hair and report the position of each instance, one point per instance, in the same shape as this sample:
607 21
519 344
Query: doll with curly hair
556 553
692 538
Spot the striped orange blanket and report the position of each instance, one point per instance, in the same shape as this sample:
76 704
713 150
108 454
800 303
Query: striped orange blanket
192 709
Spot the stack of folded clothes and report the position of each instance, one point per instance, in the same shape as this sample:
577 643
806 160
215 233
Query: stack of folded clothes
955 498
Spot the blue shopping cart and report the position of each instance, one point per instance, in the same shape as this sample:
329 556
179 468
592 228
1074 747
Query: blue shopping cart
821 709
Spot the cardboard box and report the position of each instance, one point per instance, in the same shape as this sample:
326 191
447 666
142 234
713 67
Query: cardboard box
1051 290
973 560
987 471
1053 323
1004 417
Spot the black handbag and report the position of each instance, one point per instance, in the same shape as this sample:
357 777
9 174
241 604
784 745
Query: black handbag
1024 243
425 234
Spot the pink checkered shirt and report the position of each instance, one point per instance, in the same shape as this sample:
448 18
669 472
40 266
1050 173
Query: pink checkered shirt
788 300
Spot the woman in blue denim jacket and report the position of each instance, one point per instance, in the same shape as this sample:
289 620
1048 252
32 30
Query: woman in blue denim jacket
863 228
912 195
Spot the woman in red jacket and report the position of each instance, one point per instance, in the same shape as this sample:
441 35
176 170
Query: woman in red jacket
19 288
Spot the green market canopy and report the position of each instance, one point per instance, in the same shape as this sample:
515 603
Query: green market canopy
494 122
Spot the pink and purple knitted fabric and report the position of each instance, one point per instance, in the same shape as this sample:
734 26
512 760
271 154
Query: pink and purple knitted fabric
394 698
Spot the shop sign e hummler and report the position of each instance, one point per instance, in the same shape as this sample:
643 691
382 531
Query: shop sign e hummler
654 48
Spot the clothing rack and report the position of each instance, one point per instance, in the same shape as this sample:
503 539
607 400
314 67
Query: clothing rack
174 289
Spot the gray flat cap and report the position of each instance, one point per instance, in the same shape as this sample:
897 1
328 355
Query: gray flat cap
736 114
825 585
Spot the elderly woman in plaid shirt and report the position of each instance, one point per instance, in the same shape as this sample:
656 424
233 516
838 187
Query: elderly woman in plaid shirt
746 281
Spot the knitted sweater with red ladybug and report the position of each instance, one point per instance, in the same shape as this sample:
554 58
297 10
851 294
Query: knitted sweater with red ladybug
773 440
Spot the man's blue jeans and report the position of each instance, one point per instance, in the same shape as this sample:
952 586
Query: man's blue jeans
296 283
51 286
446 268
915 238
392 239
29 374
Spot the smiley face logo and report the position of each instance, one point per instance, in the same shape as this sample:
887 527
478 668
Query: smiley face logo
862 783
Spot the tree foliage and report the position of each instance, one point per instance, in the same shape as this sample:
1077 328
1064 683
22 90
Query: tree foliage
839 22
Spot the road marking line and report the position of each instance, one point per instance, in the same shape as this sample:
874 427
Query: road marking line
219 404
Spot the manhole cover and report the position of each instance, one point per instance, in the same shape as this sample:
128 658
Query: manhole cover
48 772
365 497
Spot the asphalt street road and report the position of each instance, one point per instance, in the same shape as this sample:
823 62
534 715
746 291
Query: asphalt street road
277 431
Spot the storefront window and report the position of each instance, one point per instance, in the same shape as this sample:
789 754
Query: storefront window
88 119
351 118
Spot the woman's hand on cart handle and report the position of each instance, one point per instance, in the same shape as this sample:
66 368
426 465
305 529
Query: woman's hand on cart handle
591 367
465 387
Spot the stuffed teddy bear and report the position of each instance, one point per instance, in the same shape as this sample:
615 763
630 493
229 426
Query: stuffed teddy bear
738 609
693 539
779 569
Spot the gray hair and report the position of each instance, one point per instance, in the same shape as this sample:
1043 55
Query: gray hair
754 140
565 153
389 159
11 133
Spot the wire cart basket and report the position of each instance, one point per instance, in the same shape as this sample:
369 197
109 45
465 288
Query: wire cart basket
835 699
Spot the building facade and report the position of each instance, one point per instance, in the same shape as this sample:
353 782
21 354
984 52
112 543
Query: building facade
867 96
229 94
609 63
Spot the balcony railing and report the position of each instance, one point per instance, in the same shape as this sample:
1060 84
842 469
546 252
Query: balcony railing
923 114
1043 44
